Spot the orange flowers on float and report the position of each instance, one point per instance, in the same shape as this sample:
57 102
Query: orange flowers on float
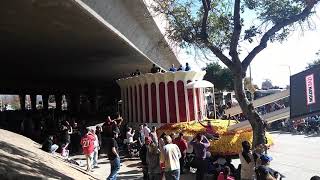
229 142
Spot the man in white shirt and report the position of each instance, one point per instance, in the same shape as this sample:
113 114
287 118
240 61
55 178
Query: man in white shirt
146 131
170 156
130 135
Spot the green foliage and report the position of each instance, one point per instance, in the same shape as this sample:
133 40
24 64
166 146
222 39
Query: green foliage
314 62
186 16
221 77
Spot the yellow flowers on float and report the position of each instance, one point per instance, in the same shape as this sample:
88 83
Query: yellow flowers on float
229 142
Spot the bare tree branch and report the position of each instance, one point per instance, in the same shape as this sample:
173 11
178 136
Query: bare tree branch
216 51
236 31
277 27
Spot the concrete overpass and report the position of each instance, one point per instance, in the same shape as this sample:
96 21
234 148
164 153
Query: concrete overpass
67 44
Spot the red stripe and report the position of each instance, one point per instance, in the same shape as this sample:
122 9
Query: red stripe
146 102
162 98
131 104
181 101
172 102
141 105
136 103
191 104
154 102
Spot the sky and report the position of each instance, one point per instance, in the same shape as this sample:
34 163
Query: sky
278 60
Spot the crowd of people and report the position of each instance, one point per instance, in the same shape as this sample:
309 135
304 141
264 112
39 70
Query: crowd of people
167 156
162 156
156 69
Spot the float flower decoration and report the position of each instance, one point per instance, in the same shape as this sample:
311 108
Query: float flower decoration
229 142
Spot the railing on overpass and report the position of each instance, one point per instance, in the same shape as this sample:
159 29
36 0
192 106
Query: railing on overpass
269 118
260 102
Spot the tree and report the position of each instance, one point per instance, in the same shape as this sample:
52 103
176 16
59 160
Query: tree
266 84
216 27
221 77
314 62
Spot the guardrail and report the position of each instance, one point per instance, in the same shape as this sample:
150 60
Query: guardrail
260 102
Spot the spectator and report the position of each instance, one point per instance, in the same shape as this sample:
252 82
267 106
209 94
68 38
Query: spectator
130 135
210 133
187 67
141 136
231 166
247 162
87 143
143 157
113 155
108 127
137 73
265 166
146 130
48 145
161 141
263 174
172 69
65 139
315 178
154 69
96 149
225 174
153 162
98 133
200 144
183 146
170 156
180 68
153 135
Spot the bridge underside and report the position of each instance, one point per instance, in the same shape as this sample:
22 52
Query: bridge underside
60 44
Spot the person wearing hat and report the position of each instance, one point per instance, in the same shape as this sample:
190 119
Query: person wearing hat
113 155
264 171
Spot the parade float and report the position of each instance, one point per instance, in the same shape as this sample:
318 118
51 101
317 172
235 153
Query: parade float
176 102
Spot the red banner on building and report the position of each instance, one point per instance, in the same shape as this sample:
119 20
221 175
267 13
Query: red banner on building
310 90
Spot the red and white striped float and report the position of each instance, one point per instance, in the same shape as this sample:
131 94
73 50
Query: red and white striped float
162 97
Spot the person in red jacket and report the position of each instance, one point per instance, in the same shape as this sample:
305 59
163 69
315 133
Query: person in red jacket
87 142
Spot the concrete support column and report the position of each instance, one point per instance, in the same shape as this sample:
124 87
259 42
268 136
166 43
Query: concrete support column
93 101
33 98
22 98
75 102
45 101
58 98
